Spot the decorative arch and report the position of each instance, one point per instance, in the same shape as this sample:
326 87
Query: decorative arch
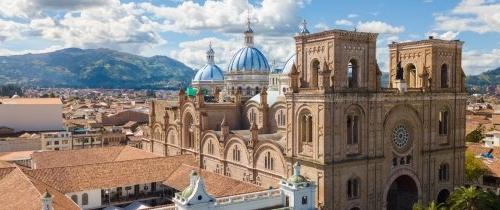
279 161
410 75
315 66
245 158
445 74
157 132
172 136
397 174
210 145
188 132
305 129
354 116
251 113
353 72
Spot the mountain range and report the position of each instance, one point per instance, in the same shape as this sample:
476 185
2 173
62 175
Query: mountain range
94 68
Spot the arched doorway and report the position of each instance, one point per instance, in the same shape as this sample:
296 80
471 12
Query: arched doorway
411 75
402 194
443 196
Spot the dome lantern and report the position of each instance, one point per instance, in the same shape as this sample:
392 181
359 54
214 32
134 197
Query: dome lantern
210 54
249 34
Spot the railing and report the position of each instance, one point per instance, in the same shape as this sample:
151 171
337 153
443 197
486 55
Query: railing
132 197
248 197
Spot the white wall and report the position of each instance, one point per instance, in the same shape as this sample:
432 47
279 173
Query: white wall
94 198
32 117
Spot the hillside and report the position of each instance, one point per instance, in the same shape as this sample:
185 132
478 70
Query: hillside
481 82
93 68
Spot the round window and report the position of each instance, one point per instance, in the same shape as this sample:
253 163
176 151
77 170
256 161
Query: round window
400 137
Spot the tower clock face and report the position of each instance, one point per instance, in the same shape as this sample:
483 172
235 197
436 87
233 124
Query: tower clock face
400 137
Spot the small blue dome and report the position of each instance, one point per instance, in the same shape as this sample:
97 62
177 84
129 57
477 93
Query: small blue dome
289 63
209 72
248 59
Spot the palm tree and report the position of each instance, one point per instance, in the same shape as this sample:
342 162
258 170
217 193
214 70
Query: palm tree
471 198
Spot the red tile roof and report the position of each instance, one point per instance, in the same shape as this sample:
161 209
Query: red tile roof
62 158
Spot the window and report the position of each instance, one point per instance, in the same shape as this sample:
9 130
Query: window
210 148
281 118
56 142
352 129
189 132
257 90
85 199
268 161
444 76
314 73
353 188
443 172
236 153
306 128
443 123
249 91
252 115
74 198
304 200
352 74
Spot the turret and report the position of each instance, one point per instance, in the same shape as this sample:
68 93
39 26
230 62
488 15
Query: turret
224 128
294 79
254 129
47 201
299 190
194 196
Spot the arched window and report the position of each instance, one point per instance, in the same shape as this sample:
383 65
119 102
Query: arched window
306 127
252 116
85 199
304 200
268 161
281 118
232 90
444 76
210 148
443 122
411 75
74 198
444 172
352 129
353 188
249 91
352 74
240 90
257 90
189 132
236 153
314 73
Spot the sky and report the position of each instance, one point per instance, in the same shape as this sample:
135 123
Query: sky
183 29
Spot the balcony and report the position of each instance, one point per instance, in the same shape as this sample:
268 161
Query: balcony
155 198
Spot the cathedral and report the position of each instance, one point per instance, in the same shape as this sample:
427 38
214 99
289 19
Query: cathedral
365 144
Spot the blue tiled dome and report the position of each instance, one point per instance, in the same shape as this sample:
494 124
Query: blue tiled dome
248 59
289 63
209 72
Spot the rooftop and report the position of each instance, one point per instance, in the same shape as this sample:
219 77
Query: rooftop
63 158
38 101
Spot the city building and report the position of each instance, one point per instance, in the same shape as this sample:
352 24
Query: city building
61 140
492 138
365 146
490 156
31 114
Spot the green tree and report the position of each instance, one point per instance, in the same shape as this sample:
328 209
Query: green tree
471 198
476 135
474 168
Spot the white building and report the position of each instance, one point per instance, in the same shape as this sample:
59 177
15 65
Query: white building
56 140
492 139
31 114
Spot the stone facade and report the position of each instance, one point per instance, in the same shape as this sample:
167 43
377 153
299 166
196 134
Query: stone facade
365 146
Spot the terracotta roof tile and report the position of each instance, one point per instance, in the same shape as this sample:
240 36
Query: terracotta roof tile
216 185
111 174
62 158
20 192
492 164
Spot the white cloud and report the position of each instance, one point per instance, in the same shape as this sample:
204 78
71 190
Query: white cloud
343 22
321 26
471 15
6 52
352 16
448 35
229 16
475 62
36 8
379 27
